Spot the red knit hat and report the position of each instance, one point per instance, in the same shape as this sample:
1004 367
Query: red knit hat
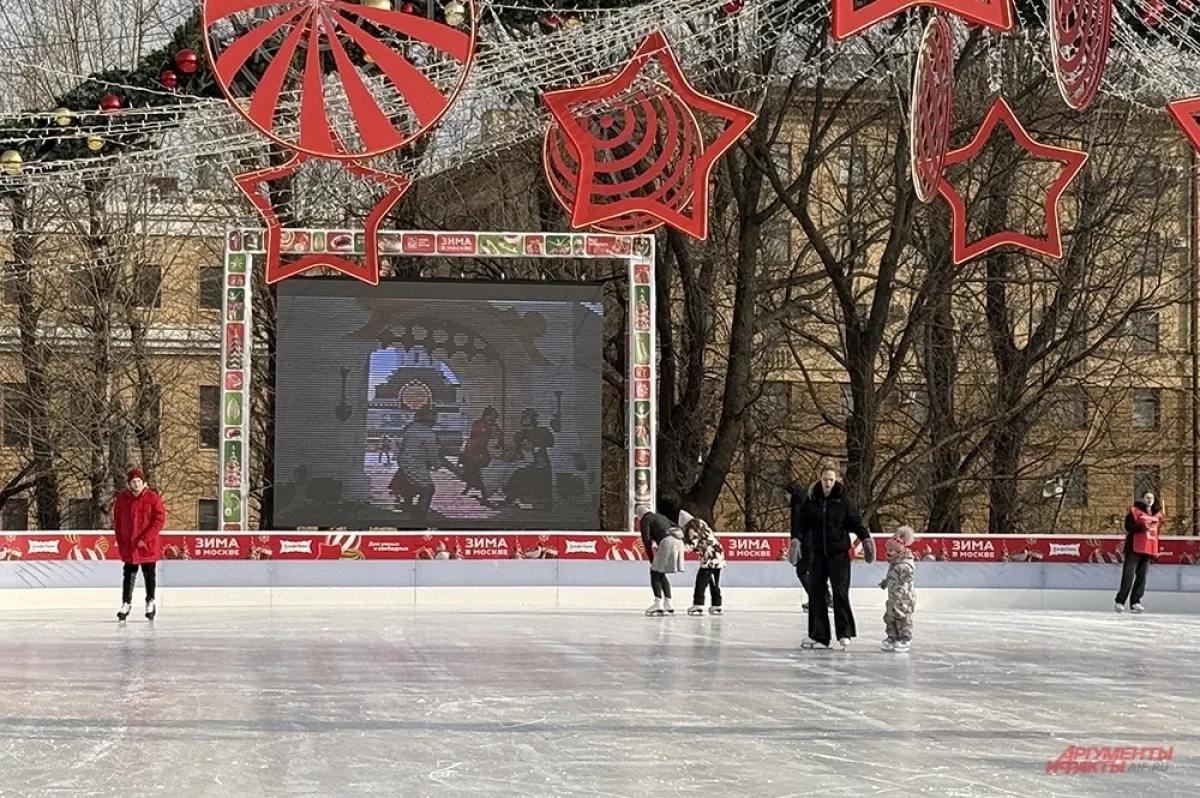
135 473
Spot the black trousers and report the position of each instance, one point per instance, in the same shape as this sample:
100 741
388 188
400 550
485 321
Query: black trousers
802 571
830 571
659 584
149 575
707 579
1133 575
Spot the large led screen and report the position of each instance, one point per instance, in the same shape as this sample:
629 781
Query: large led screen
438 405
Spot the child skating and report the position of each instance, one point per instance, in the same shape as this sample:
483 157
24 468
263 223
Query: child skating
699 537
902 594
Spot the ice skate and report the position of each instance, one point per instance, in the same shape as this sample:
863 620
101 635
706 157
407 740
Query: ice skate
667 607
888 645
151 610
695 609
715 611
902 646
1137 609
123 613
655 609
1119 608
844 643
804 607
808 644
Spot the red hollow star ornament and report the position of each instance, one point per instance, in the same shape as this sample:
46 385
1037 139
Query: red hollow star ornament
1072 162
614 131
279 266
849 18
1185 112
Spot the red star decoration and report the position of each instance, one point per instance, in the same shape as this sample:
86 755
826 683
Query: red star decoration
1072 162
692 220
1184 111
277 268
849 20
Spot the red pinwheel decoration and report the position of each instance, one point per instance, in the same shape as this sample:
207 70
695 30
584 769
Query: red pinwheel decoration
289 68
627 153
1080 32
932 101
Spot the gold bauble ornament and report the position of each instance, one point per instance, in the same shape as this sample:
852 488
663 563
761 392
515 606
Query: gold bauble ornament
10 162
63 116
95 143
455 12
384 5
572 23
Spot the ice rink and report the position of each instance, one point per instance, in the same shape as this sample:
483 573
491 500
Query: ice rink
408 703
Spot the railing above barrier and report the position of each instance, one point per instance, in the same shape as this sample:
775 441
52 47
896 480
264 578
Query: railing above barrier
739 547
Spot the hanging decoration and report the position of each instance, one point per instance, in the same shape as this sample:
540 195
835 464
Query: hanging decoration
1186 114
627 152
852 17
930 111
1080 34
306 55
1071 161
186 61
110 103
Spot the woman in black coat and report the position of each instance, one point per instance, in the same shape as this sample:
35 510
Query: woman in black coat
827 519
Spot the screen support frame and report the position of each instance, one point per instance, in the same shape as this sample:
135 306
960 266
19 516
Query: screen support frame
245 251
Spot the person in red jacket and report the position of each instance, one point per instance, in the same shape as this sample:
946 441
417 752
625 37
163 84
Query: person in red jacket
138 517
1142 525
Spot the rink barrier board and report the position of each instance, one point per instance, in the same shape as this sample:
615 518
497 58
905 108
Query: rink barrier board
566 546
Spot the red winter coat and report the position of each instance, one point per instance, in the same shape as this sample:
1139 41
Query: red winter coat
137 520
1145 539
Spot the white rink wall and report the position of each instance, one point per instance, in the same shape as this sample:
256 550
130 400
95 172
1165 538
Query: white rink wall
79 584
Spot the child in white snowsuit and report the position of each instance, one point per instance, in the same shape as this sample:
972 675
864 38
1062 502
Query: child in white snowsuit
699 537
902 595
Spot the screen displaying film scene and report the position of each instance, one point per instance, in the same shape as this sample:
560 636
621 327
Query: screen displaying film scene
438 405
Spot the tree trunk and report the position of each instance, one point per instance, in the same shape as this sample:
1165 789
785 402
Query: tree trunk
34 362
1003 493
941 370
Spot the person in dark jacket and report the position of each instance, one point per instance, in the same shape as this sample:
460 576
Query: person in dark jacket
797 494
663 543
827 519
1142 524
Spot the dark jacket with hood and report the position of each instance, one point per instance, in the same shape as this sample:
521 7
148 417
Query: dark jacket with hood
826 522
797 494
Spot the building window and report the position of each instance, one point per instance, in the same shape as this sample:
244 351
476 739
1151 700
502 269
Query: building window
1143 326
16 415
1148 177
777 240
1146 478
209 419
10 283
1073 409
773 478
1145 408
206 514
147 285
915 403
79 514
210 280
776 399
852 163
1075 485
1148 259
15 514
82 289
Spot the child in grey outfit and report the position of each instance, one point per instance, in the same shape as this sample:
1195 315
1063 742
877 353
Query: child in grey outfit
902 594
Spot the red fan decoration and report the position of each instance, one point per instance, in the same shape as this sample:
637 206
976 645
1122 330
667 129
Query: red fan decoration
932 101
627 153
287 66
1185 112
1071 161
851 17
1080 32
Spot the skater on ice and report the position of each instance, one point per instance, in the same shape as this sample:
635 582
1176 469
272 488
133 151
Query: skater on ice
1142 524
138 518
827 519
798 546
902 594
699 536
663 542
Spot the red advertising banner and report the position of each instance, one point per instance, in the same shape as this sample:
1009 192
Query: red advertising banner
765 547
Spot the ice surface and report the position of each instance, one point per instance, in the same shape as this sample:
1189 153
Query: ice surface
407 703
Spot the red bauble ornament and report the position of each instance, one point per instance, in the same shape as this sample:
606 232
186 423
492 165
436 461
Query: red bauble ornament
169 79
552 21
110 103
408 8
186 61
731 6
